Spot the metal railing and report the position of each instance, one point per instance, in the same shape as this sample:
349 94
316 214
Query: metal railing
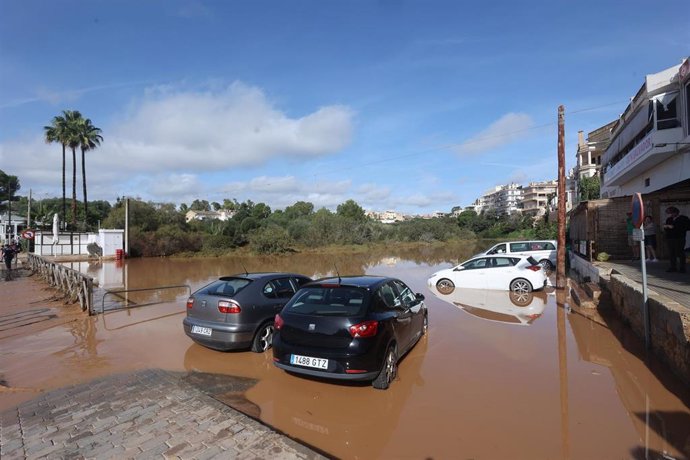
75 285
136 305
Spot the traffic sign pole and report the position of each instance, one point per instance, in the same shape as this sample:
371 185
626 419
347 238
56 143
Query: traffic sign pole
638 222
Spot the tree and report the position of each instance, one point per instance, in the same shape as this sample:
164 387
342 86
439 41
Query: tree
351 210
200 205
72 120
299 209
57 131
89 138
8 189
589 188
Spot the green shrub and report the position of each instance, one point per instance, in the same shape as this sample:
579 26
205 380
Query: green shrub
270 240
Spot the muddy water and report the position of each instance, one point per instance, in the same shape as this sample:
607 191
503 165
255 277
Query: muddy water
496 377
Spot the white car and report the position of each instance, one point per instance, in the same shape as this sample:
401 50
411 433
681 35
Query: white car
544 251
512 273
519 308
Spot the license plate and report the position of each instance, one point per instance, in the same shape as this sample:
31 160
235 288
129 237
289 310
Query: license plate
308 361
201 330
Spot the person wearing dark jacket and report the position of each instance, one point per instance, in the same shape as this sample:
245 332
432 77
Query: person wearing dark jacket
674 229
8 255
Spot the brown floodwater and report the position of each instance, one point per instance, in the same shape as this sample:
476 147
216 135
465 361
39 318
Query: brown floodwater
498 376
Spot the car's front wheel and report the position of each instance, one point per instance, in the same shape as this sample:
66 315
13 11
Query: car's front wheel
388 371
263 338
445 286
520 285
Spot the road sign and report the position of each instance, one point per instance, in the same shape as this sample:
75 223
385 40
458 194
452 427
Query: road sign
28 234
637 210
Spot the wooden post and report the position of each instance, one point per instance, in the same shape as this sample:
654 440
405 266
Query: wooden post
560 257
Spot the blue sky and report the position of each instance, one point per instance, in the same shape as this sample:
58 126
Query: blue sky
417 106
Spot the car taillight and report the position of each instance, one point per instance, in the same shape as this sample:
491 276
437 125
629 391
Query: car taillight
534 268
278 323
190 302
365 329
228 306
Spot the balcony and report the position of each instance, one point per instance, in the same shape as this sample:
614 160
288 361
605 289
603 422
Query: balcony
655 148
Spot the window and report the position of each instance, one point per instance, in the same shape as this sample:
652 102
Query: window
226 286
499 249
646 183
279 289
387 297
407 297
519 247
503 262
474 264
666 114
335 301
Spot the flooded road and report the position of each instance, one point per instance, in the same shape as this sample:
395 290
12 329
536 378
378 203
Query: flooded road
498 376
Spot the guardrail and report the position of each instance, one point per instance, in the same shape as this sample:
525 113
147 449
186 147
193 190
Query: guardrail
75 285
158 288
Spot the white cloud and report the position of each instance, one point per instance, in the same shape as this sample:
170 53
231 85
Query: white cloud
506 130
220 129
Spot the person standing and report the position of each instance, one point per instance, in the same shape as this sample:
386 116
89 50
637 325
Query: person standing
674 229
650 238
634 245
8 255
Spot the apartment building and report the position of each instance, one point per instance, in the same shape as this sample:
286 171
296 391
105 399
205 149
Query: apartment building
536 197
502 199
591 150
650 142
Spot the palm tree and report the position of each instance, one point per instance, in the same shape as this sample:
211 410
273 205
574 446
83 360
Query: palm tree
57 132
73 118
89 137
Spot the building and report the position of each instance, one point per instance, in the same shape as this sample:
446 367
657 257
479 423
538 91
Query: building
538 197
502 199
649 154
221 215
591 151
11 227
650 142
386 217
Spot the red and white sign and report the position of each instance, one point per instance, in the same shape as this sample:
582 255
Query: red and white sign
28 234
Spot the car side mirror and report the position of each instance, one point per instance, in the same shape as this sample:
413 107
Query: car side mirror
458 268
419 296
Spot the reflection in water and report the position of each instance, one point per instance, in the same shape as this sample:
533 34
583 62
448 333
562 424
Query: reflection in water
470 389
650 394
83 352
349 421
501 306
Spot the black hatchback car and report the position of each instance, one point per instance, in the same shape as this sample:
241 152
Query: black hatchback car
350 328
237 311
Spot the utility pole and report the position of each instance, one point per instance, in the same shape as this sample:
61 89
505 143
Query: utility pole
560 256
28 212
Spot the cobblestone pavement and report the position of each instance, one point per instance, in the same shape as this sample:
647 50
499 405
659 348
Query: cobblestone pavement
145 414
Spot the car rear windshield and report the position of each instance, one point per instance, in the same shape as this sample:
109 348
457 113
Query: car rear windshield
532 260
329 301
226 287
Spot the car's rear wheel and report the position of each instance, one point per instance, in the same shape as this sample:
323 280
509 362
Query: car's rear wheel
263 338
520 285
388 371
546 265
445 286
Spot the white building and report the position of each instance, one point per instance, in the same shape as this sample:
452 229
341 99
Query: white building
650 143
537 196
221 215
503 199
